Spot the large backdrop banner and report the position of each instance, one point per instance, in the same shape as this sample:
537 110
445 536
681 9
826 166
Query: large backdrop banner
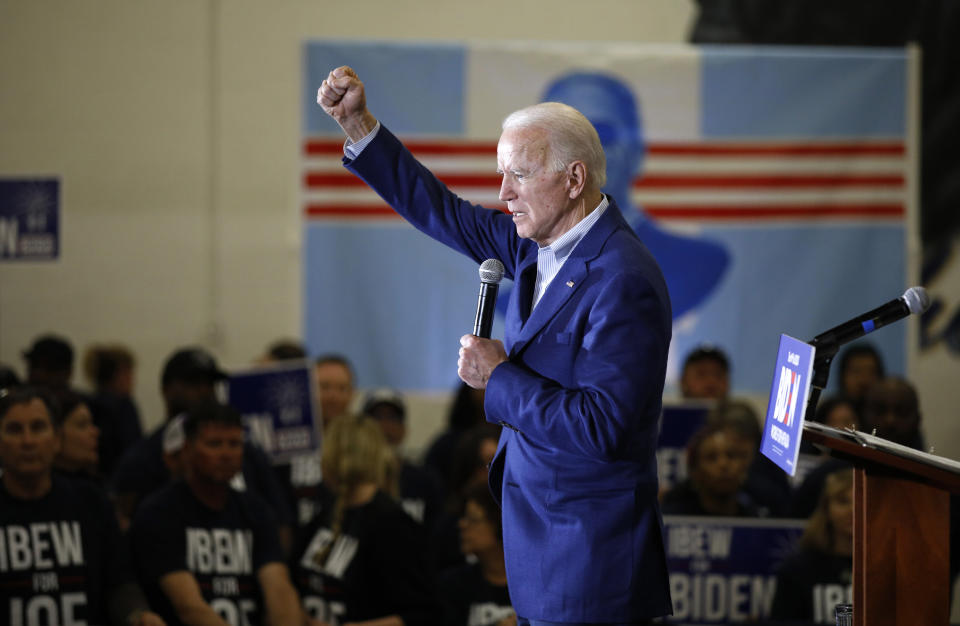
775 186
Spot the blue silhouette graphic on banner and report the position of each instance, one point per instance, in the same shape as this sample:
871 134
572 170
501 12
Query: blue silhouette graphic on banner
693 267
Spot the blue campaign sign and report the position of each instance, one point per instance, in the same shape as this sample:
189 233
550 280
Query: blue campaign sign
278 408
29 219
723 569
788 403
678 423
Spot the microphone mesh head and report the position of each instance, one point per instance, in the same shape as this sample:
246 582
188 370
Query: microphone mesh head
491 271
917 299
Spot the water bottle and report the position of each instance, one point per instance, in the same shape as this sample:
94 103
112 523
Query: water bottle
843 614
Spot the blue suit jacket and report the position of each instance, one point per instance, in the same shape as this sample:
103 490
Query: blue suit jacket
575 470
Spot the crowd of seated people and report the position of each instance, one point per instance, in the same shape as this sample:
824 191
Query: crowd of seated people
198 525
207 529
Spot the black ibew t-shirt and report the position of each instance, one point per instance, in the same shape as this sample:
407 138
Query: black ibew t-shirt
173 531
378 566
60 555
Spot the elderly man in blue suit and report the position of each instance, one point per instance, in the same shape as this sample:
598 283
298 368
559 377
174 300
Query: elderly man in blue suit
578 379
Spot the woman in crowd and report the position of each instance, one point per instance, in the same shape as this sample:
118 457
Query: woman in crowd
475 594
819 576
79 437
364 560
717 464
766 484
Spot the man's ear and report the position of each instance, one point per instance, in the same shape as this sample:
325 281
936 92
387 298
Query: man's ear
576 179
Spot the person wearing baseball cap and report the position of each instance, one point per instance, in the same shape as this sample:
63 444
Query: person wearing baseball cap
188 379
189 376
49 362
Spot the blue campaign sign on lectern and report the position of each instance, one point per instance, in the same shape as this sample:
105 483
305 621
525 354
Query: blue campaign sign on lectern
788 403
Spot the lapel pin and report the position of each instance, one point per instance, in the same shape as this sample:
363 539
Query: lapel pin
569 283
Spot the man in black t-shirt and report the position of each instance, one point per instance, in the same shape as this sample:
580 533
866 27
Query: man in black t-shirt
189 377
62 559
208 553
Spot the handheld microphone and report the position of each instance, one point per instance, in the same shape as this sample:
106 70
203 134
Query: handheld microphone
491 273
914 300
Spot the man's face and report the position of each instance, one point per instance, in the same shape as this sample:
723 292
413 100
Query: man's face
215 454
28 441
390 422
721 464
892 409
860 374
335 385
705 380
43 376
538 197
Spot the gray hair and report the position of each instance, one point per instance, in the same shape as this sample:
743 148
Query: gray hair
570 136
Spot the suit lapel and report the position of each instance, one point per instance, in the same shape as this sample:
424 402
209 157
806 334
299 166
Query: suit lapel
525 286
567 281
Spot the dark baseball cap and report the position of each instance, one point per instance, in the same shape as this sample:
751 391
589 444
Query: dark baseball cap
192 365
384 396
51 352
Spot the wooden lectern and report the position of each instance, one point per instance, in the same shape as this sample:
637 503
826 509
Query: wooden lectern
901 524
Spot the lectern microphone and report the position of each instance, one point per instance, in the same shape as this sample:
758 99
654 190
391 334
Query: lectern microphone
914 300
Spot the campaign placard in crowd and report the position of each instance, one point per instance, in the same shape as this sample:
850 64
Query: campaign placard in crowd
677 425
788 402
723 569
29 219
278 408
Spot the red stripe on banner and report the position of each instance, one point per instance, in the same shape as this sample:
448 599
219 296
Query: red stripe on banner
668 212
334 147
314 180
